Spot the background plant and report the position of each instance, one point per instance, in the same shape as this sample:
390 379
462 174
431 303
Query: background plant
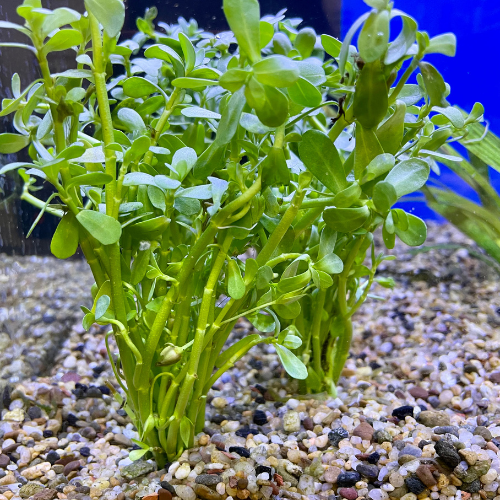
209 177
478 221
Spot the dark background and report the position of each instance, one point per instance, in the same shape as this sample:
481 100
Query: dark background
473 74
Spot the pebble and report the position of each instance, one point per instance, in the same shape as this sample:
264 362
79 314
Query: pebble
336 435
364 431
348 493
447 452
291 421
349 478
431 418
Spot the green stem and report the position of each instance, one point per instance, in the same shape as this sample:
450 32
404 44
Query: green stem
108 137
316 330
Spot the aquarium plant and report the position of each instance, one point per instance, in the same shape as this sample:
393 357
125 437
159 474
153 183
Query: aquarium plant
210 177
478 221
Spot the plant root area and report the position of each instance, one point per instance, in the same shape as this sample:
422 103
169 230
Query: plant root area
417 414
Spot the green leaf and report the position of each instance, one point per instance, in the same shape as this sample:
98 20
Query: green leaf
266 33
346 220
88 321
348 196
305 93
454 115
136 86
390 133
92 179
322 159
149 229
188 51
367 148
58 18
376 4
63 40
485 149
263 278
235 283
9 25
243 17
12 143
157 197
408 176
132 121
193 83
13 166
137 454
370 98
374 37
406 38
416 233
111 14
140 263
292 364
327 242
330 264
384 196
443 44
380 165
276 71
274 168
434 84
252 124
197 112
65 240
14 104
305 42
102 227
270 104
292 283
101 306
185 430
331 45
233 79
292 342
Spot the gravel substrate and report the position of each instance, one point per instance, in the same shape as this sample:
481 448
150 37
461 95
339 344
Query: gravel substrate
417 416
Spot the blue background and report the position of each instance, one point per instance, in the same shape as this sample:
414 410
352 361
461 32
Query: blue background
473 73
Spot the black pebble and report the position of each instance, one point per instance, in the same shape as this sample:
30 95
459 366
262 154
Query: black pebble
255 363
373 458
34 412
336 435
402 412
94 392
447 453
242 452
85 451
415 485
423 443
71 419
47 433
374 365
259 417
167 486
369 471
121 412
52 457
79 393
105 390
98 370
218 419
245 431
260 469
348 479
260 400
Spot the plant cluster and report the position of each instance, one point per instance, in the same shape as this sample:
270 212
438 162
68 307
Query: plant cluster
210 177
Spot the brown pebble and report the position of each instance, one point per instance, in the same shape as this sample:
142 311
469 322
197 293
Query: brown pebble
214 471
419 392
364 430
4 460
242 494
495 377
278 479
491 446
151 496
206 493
121 496
276 490
71 467
65 460
242 483
233 482
163 494
45 494
11 435
308 424
425 475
